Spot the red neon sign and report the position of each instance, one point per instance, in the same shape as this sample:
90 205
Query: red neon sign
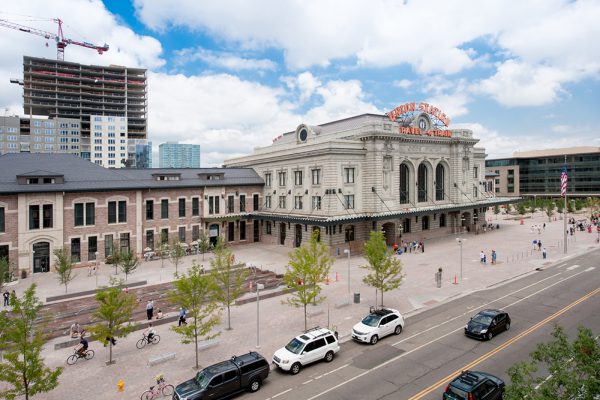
422 107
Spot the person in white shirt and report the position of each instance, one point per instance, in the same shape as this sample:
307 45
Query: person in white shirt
149 332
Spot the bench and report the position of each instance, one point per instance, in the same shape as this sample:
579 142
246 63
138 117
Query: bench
161 358
207 344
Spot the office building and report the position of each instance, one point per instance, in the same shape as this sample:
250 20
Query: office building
179 155
538 172
39 135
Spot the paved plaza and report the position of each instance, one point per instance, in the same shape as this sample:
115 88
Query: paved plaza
279 322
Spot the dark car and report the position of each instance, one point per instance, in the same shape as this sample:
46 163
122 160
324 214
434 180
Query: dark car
487 323
475 385
245 372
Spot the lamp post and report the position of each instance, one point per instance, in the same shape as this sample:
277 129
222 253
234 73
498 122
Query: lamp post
259 287
460 244
97 267
32 264
347 251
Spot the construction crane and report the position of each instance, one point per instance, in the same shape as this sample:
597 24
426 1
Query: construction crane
61 41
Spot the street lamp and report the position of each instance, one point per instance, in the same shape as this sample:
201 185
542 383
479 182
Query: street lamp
347 251
97 267
32 264
259 287
460 243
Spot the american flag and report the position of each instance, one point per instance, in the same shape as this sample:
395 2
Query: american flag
563 181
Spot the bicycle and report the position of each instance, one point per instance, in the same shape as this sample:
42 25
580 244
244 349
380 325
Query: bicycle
144 340
88 355
154 391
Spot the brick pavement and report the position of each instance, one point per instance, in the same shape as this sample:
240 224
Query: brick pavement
279 323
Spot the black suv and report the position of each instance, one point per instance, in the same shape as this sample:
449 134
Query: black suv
474 385
487 323
245 372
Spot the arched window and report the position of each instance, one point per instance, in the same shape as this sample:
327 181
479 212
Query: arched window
422 183
404 186
440 176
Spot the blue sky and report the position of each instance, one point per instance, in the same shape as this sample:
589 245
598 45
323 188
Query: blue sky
231 75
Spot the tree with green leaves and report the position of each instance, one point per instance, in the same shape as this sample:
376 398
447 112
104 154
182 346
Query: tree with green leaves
570 206
228 277
64 266
549 209
309 265
163 248
560 206
4 272
22 366
194 291
176 255
203 244
113 315
384 269
571 370
128 262
496 209
521 208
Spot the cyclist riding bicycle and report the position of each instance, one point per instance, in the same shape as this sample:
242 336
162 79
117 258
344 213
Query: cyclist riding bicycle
84 345
149 332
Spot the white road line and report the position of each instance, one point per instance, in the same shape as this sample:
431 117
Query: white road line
572 267
428 343
480 306
282 393
335 370
308 381
590 269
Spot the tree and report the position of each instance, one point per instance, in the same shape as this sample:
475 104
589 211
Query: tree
128 262
163 248
229 278
309 265
521 208
194 292
22 366
560 206
571 370
385 270
570 207
177 254
64 266
496 210
203 244
549 209
4 272
113 315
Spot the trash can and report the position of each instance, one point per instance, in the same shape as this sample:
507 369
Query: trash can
356 298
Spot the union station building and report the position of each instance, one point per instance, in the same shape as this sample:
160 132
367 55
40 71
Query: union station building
403 173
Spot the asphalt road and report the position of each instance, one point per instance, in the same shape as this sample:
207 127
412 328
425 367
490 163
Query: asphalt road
433 349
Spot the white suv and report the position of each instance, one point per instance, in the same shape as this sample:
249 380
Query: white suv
377 324
313 345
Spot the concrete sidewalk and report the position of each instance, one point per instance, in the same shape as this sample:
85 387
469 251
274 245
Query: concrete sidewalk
279 322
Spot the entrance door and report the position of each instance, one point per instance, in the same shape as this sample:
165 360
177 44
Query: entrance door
298 237
389 231
213 234
41 257
256 231
230 232
282 233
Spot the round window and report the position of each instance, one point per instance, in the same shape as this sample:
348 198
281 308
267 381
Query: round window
303 134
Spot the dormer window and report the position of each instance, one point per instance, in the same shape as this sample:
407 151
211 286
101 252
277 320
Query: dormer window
39 178
212 176
167 177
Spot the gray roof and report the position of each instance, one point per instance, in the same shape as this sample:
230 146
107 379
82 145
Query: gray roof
81 175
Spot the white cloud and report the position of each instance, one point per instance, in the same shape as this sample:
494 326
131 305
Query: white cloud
222 59
402 83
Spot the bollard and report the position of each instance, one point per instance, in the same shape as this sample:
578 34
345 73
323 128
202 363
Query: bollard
120 385
337 276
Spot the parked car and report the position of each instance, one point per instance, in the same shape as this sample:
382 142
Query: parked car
245 372
377 324
313 345
474 385
487 323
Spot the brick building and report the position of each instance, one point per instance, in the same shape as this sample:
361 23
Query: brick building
49 201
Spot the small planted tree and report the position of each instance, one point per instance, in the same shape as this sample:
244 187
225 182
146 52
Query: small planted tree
194 291
560 206
228 277
177 254
521 208
549 209
384 270
64 266
203 244
309 265
4 272
571 369
496 210
22 366
163 248
113 316
128 262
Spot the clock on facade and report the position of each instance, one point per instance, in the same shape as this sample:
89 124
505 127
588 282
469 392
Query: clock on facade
423 124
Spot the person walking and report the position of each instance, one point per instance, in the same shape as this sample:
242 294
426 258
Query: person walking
481 256
544 253
182 313
539 245
422 247
150 309
6 297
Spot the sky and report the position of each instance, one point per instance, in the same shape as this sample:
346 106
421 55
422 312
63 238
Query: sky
232 75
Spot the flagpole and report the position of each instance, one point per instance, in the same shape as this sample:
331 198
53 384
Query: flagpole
565 216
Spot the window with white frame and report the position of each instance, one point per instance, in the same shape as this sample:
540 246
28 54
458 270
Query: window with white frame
268 201
298 178
282 178
298 202
349 201
349 175
316 202
281 201
268 179
316 176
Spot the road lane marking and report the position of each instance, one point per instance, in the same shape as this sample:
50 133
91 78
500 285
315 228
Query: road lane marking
308 381
432 341
282 393
503 346
474 308
572 267
590 269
